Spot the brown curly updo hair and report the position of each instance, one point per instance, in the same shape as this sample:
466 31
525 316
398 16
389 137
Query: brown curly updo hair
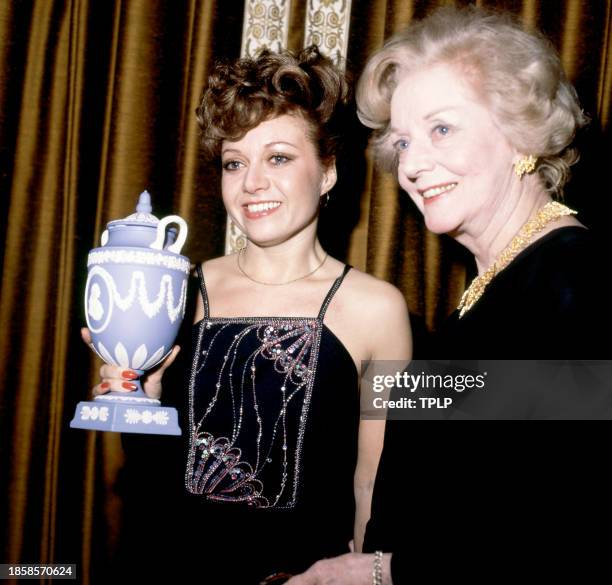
241 95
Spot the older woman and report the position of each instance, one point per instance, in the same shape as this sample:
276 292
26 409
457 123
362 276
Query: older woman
475 116
280 468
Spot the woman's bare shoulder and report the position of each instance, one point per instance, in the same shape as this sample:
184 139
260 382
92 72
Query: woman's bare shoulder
219 267
214 271
378 294
219 263
375 311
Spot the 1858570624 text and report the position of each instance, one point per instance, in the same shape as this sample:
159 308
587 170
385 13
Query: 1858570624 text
38 571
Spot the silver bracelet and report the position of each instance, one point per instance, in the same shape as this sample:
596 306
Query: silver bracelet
377 569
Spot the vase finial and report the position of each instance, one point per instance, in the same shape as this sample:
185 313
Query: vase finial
144 203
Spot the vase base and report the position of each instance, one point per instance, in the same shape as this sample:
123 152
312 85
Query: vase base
126 418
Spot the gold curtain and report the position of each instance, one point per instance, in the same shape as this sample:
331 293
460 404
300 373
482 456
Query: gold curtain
96 104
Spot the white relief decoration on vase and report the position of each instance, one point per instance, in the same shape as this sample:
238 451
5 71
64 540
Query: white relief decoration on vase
105 354
171 261
94 413
122 355
139 357
137 290
94 306
110 286
156 357
139 360
327 26
133 416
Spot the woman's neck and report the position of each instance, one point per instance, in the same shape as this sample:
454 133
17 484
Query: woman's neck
281 263
502 223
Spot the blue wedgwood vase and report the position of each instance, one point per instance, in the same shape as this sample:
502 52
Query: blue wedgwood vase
135 300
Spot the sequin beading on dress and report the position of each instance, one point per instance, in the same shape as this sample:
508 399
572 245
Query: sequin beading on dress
250 392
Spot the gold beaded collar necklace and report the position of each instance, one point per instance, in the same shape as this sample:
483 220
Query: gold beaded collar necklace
552 211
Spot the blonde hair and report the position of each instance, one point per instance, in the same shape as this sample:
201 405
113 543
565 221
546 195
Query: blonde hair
517 73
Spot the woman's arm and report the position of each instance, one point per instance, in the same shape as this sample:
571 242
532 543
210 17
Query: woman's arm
352 568
388 338
371 433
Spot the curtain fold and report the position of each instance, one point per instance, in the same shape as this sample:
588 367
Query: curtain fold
97 103
33 280
195 71
604 87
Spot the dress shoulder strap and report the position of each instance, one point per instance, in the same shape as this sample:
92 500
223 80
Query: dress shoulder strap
332 291
203 291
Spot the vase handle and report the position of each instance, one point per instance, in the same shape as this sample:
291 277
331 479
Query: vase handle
158 244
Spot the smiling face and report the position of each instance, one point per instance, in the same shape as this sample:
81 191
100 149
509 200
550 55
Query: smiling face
454 161
273 179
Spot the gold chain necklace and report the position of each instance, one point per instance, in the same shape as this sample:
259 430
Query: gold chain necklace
277 283
552 211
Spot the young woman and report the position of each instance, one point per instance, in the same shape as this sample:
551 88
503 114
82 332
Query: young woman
279 465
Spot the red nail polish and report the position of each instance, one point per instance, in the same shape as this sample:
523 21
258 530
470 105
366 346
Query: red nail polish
129 385
129 375
105 385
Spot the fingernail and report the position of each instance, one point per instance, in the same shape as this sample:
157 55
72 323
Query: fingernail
129 375
105 385
129 385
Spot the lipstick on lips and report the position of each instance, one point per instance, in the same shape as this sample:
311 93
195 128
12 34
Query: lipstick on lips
432 193
260 209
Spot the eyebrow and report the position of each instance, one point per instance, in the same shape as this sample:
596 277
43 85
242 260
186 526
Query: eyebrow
267 145
439 110
393 130
280 142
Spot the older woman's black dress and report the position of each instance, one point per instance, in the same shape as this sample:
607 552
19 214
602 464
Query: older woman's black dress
551 302
507 503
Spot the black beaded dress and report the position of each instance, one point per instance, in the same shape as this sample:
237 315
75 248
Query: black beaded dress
272 430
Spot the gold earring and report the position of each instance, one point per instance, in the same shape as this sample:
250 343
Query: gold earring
526 164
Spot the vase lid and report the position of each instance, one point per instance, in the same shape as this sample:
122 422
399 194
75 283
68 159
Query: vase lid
143 215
